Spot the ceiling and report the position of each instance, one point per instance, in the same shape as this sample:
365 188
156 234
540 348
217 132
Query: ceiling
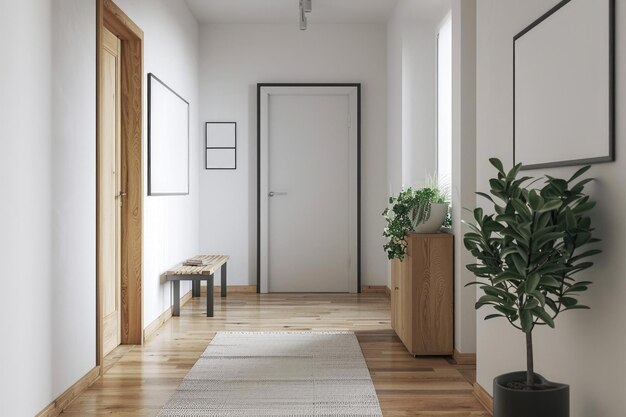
286 11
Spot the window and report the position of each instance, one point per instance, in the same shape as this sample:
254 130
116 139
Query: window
444 102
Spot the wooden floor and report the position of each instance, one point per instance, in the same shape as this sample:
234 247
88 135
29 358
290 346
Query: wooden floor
141 379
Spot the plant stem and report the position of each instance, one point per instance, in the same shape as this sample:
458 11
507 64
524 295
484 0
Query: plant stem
530 371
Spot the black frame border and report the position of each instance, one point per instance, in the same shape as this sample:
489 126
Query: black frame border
151 77
258 189
584 161
207 147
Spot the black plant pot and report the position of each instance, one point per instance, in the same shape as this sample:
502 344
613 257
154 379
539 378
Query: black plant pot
550 401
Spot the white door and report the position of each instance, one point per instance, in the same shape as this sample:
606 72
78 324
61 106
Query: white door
309 177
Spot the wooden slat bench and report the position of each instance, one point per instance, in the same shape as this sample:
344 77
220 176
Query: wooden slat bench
197 274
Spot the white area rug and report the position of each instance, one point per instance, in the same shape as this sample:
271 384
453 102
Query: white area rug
272 374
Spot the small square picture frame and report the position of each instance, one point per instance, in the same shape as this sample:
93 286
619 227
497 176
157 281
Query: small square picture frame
220 146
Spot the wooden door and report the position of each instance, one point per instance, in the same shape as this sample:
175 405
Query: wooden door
109 193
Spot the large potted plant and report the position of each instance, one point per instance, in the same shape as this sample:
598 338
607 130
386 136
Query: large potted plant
423 210
528 252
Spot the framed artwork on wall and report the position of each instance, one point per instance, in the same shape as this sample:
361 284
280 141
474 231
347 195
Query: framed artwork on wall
564 86
168 140
221 145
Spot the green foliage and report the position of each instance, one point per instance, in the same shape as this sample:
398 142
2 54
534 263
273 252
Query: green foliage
408 210
531 247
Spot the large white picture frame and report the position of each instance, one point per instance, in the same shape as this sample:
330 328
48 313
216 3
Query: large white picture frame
168 140
564 81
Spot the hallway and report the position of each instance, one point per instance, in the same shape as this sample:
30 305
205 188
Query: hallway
144 378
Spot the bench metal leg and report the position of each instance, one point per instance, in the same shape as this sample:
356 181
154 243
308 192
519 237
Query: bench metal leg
195 288
209 296
223 277
176 308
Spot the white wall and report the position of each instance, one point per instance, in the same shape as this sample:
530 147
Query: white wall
412 122
47 215
395 30
170 222
419 102
234 58
463 181
412 93
586 349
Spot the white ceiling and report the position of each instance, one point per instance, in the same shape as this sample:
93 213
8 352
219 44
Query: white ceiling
286 11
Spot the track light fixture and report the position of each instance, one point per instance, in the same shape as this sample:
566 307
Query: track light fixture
306 6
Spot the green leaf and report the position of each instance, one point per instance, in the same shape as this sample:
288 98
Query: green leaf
497 164
545 317
550 205
535 200
506 276
526 320
579 173
539 297
493 316
585 255
578 307
520 264
532 282
550 281
478 214
550 303
487 196
569 302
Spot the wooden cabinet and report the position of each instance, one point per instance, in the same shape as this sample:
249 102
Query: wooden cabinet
422 295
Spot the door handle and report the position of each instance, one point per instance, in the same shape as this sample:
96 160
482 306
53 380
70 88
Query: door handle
275 193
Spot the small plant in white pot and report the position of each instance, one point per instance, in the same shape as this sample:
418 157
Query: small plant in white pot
421 211
528 252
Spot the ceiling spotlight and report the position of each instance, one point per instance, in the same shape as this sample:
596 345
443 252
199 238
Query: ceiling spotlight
306 6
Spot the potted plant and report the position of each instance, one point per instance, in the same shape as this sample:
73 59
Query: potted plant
422 211
528 252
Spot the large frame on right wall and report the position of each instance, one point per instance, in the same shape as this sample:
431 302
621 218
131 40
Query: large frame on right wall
564 86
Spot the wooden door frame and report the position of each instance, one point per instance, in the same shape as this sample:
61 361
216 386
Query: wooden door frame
111 17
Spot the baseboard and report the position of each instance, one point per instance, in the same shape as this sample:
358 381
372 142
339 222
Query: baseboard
374 289
57 406
483 397
232 289
237 289
151 328
464 358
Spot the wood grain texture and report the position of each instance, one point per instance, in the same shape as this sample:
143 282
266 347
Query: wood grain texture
109 209
483 397
422 295
464 358
142 381
110 17
237 289
212 265
119 23
152 328
132 184
374 289
57 406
